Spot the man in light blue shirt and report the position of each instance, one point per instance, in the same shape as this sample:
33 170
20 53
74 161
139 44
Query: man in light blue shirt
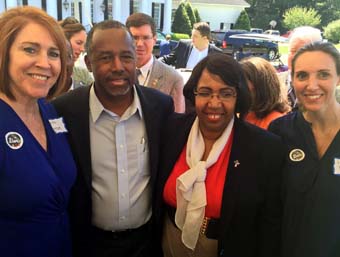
114 128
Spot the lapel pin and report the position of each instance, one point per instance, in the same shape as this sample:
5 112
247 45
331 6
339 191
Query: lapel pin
236 163
296 155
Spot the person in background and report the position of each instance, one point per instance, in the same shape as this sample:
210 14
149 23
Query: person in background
37 169
75 32
164 46
268 102
69 69
297 39
311 174
337 93
219 179
114 128
150 71
189 52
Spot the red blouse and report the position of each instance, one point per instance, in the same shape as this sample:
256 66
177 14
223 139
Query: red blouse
214 181
264 122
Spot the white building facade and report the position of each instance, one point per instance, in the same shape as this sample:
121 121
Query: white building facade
93 11
220 14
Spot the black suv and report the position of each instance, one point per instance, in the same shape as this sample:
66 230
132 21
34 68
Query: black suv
231 42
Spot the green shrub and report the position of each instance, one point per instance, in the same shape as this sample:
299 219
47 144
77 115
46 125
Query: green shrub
243 21
332 31
191 13
181 23
197 15
178 36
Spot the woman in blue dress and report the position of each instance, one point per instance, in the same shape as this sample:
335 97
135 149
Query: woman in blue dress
312 173
36 166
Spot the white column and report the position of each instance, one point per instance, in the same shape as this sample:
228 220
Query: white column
87 22
11 3
116 10
98 15
167 16
51 8
76 10
36 3
144 7
2 6
124 11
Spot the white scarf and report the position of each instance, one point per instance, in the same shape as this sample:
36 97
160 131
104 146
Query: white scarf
190 186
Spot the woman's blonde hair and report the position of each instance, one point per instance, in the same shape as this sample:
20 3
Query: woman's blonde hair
11 23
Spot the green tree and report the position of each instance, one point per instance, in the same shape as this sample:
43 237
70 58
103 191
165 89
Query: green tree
261 12
197 15
301 16
332 31
181 23
243 21
191 13
329 12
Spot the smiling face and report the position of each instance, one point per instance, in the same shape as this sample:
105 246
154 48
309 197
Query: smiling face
214 115
78 43
315 81
112 61
34 63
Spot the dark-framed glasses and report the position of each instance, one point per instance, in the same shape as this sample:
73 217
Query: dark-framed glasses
142 38
224 94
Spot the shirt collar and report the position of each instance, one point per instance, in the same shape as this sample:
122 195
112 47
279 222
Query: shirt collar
97 108
203 52
146 67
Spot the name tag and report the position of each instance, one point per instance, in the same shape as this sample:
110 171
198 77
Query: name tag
58 125
336 166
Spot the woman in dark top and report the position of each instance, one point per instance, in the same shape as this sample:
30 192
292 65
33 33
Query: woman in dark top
219 177
312 172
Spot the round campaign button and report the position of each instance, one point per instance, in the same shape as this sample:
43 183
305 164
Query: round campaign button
296 155
14 140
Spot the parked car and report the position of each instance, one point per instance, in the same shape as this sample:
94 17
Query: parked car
272 32
218 36
235 41
256 30
160 37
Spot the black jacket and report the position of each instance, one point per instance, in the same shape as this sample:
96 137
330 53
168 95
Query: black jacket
180 55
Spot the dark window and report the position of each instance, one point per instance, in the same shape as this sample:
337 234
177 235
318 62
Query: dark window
80 12
162 17
43 4
60 10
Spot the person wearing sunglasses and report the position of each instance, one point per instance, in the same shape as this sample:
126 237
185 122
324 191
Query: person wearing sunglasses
219 177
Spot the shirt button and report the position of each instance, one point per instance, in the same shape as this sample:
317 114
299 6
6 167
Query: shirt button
122 218
122 171
123 195
121 146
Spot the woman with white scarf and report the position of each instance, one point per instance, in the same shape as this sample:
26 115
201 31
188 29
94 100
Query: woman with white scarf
219 177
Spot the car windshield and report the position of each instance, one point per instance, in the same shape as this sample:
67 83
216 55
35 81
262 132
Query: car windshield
217 36
160 36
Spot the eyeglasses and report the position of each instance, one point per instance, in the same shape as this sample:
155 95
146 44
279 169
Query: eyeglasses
142 38
223 94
